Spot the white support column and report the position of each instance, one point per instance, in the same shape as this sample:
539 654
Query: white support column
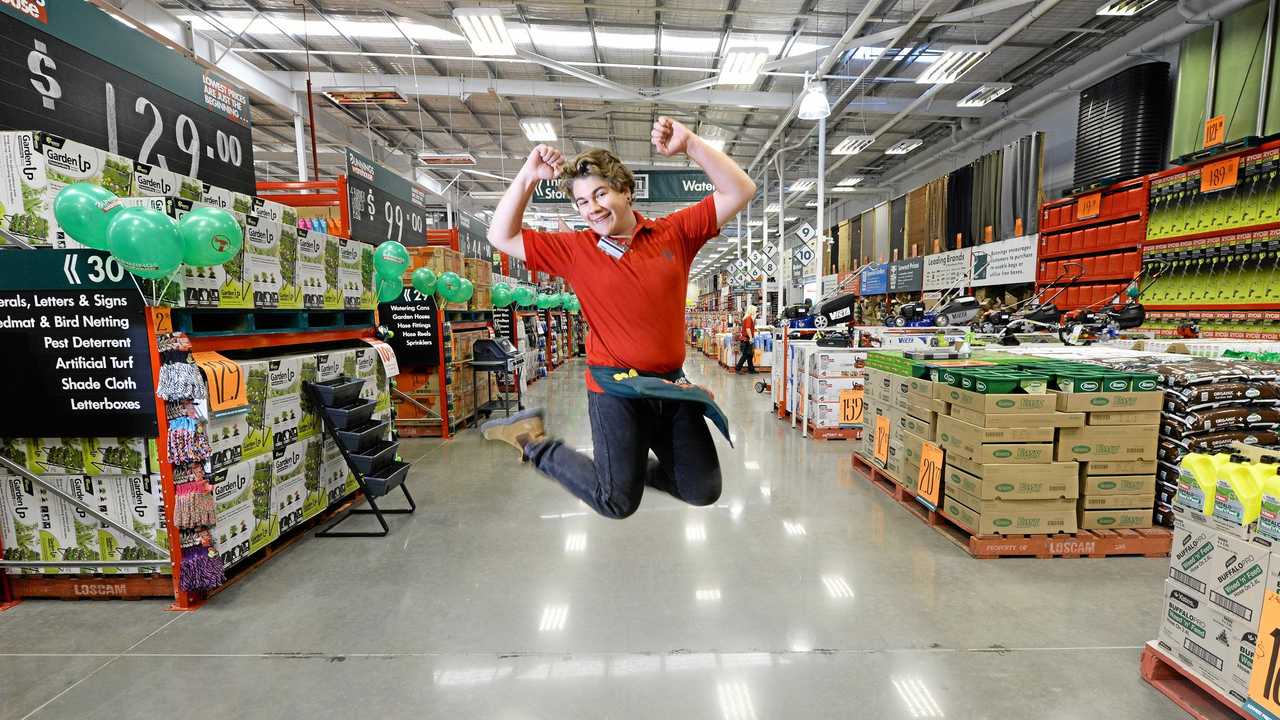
784 283
822 197
300 141
764 239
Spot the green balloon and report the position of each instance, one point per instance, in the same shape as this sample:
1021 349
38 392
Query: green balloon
467 290
572 304
525 296
389 288
210 236
545 301
424 280
448 286
84 211
502 295
391 258
145 242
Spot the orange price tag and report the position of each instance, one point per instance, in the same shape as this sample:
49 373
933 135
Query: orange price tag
1214 130
1264 681
226 380
929 489
851 406
1220 175
882 440
161 320
1089 206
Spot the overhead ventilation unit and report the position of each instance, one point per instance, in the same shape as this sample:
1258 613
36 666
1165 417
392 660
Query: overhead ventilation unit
953 64
902 147
1125 8
446 159
1123 126
365 97
984 95
853 144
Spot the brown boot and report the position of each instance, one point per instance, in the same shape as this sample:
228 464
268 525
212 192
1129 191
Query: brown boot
518 430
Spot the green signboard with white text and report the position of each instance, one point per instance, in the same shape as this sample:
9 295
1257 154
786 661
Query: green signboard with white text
654 186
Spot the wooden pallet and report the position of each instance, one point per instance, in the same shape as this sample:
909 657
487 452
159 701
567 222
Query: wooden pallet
1154 542
836 433
1200 700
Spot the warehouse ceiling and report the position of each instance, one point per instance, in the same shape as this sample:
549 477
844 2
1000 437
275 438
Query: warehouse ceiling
601 72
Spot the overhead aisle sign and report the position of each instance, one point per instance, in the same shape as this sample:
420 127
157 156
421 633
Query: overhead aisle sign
906 275
384 206
657 186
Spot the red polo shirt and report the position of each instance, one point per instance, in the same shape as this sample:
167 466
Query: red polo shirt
635 305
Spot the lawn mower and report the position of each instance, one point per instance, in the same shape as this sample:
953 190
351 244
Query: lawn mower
1088 325
837 306
1038 312
951 310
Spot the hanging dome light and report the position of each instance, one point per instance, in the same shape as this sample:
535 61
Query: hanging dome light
814 104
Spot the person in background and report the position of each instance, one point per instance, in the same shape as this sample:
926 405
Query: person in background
747 333
631 274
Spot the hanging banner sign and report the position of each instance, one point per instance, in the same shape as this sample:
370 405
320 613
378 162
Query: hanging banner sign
946 270
906 275
384 206
76 72
875 280
1007 262
415 321
656 186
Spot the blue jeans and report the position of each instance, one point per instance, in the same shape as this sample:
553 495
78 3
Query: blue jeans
623 431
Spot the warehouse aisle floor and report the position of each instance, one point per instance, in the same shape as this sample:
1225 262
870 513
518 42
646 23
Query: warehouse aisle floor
803 593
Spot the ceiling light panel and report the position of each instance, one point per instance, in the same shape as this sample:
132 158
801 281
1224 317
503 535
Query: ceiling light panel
715 142
741 66
902 147
853 145
953 64
802 185
773 208
1125 8
985 94
849 181
538 130
485 31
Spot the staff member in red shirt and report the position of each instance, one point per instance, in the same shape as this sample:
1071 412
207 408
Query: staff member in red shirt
747 333
631 274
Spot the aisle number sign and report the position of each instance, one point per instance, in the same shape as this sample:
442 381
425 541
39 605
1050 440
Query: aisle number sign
851 406
806 233
226 381
882 440
1215 130
1089 206
929 482
1264 682
1220 175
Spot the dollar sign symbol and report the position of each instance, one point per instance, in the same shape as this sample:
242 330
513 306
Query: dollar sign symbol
40 66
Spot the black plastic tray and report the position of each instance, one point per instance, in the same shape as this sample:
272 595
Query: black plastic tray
375 458
339 391
352 414
360 439
386 479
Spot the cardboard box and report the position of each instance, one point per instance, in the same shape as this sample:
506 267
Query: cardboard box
1118 467
910 446
1133 501
1229 572
1046 419
834 362
992 404
1117 519
275 212
1094 402
1101 442
262 251
115 456
920 406
235 202
316 493
233 500
924 428
155 181
1117 484
1125 417
287 498
827 390
998 453
312 282
1029 517
1216 648
355 275
228 435
1012 482
922 387
951 429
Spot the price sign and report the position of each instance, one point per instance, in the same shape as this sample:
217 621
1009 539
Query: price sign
388 356
802 255
1264 682
929 489
851 406
86 77
384 206
1220 175
1215 130
882 440
162 320
226 381
1089 206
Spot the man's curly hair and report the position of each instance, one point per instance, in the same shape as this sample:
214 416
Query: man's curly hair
602 164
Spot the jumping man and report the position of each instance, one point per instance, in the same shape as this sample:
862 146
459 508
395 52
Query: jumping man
631 274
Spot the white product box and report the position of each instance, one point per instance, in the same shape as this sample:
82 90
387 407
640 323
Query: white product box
135 501
285 416
309 422
835 362
226 199
284 376
369 368
828 389
338 480
262 271
825 414
332 365
233 498
227 437
275 212
1228 572
19 521
1217 648
35 166
56 456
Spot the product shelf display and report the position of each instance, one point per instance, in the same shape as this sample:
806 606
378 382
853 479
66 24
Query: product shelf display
761 346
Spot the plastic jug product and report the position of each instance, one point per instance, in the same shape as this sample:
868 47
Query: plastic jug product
1239 498
1198 481
1269 483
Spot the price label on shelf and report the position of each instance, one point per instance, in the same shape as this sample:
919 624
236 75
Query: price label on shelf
929 489
882 440
1215 131
161 320
1220 175
851 406
226 381
387 355
1089 206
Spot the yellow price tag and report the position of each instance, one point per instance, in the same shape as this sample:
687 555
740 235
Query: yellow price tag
1264 682
882 440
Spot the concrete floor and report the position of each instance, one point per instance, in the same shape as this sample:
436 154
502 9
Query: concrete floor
804 593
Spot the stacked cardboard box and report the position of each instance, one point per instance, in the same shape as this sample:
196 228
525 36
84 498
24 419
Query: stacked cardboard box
827 373
1116 449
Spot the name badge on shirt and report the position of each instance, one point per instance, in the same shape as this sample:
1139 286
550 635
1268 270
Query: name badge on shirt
614 247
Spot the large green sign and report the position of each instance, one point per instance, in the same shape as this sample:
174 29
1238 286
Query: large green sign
655 186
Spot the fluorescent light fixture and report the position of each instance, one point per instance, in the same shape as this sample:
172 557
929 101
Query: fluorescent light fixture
853 144
486 194
814 104
715 142
751 464
902 147
984 95
755 223
837 587
485 30
448 159
811 204
553 618
954 63
365 97
773 208
538 130
792 218
850 181
802 185
1125 8
741 66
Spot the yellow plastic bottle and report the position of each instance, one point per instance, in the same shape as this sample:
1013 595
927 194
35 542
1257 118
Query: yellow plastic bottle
1239 497
1269 483
1198 481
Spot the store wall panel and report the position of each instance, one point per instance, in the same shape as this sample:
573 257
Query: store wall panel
960 206
1189 96
985 195
1236 90
918 219
858 253
881 229
898 226
845 248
